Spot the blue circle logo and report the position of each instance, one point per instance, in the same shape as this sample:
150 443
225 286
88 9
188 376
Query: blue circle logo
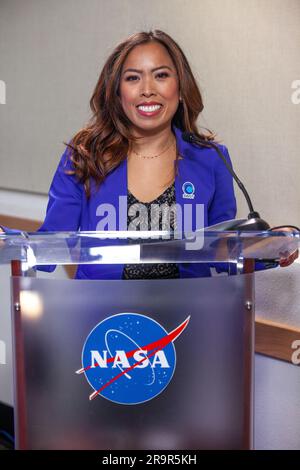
188 190
129 358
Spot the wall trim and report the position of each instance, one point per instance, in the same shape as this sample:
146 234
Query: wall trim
276 339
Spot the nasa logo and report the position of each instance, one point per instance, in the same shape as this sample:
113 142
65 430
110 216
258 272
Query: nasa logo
188 190
129 358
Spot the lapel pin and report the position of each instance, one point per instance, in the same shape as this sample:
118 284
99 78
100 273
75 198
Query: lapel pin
188 190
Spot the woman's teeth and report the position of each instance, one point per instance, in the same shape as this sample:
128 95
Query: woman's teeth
150 109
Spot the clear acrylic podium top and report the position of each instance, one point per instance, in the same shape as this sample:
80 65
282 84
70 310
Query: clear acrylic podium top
202 246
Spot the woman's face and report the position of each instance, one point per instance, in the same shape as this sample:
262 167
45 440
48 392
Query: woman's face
149 88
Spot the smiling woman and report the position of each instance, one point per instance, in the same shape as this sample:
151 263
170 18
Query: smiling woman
149 92
133 148
145 86
152 89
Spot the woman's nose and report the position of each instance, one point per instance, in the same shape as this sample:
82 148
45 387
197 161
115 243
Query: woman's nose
147 87
147 94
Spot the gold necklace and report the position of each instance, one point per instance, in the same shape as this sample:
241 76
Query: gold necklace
159 154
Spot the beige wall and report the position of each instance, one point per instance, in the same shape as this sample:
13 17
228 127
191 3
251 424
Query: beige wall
245 54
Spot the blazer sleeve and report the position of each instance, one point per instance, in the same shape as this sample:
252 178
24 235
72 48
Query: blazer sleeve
223 203
64 204
65 199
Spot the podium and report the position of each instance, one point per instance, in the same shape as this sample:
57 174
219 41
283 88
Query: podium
136 364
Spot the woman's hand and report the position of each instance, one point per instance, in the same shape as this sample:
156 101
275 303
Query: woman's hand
287 259
1 242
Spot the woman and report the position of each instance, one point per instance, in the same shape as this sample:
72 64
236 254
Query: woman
132 148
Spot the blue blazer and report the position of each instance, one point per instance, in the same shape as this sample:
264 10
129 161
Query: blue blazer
69 210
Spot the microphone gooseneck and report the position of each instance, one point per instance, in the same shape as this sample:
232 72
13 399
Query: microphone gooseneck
254 221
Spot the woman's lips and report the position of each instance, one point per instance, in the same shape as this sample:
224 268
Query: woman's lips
150 113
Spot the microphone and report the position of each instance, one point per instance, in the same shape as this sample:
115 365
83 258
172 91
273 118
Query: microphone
253 221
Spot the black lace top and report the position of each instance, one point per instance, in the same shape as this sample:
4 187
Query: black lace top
156 215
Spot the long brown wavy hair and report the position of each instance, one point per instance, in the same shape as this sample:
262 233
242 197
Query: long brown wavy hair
102 145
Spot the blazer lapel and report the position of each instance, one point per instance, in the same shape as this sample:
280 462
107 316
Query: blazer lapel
189 188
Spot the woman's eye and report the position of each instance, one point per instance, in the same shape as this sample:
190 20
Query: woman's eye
162 75
131 78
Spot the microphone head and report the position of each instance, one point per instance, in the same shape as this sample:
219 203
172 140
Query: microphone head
196 140
187 136
253 224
